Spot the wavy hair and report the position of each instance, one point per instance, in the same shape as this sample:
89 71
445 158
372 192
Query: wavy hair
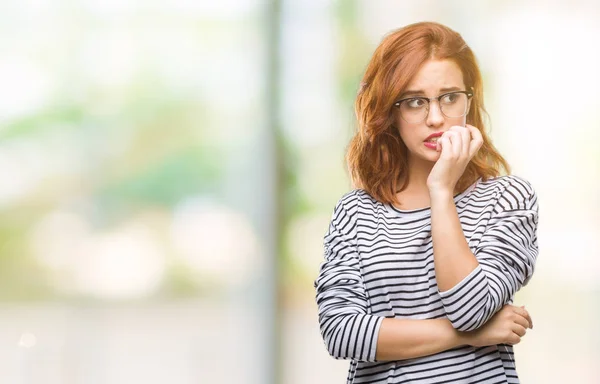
377 158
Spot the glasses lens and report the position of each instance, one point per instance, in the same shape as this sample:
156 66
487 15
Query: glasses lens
414 110
454 104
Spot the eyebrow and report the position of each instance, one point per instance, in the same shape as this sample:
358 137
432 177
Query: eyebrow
422 93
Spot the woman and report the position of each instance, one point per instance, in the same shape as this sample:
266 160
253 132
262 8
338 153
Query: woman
423 259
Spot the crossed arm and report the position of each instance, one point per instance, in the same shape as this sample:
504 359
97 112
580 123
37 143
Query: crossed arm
473 285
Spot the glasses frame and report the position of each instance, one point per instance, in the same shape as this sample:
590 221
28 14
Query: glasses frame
429 100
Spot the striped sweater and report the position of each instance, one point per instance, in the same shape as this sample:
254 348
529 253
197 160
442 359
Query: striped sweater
379 263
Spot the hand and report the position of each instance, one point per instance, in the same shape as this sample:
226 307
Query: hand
458 145
507 326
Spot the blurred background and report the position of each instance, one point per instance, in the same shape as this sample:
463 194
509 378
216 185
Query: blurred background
169 169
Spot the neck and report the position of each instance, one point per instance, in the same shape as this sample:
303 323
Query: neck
418 172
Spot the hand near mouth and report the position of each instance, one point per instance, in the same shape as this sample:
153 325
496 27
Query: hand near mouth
458 145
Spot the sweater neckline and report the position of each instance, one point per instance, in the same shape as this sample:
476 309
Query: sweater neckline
427 210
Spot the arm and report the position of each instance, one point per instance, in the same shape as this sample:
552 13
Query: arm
406 339
452 257
474 286
348 330
401 339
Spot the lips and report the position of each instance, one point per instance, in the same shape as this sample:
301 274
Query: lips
434 138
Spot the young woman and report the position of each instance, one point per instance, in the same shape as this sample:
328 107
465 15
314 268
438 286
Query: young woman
423 259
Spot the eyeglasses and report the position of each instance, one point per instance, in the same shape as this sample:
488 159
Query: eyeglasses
452 104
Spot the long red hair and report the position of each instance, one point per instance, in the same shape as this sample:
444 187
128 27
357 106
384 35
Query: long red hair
377 157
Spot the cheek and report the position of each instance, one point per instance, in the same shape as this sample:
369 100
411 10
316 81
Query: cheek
409 135
457 121
403 130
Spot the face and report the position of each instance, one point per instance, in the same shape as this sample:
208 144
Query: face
433 79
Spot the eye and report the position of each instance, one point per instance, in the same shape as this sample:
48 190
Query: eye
415 103
449 98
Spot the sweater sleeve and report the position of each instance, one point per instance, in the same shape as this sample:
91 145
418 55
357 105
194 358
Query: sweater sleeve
348 331
506 254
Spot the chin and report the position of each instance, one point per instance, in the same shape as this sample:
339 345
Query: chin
429 155
434 157
426 154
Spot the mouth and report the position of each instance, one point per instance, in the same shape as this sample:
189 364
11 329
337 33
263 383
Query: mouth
433 140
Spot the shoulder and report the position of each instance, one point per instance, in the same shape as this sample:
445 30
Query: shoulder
356 198
353 202
513 192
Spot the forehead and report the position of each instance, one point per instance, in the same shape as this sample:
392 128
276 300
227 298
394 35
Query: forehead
435 75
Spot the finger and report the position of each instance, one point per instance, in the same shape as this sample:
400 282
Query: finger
524 313
474 131
513 339
465 136
476 140
466 143
462 147
528 317
455 141
520 320
519 329
445 146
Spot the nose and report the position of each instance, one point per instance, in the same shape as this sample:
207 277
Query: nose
435 118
